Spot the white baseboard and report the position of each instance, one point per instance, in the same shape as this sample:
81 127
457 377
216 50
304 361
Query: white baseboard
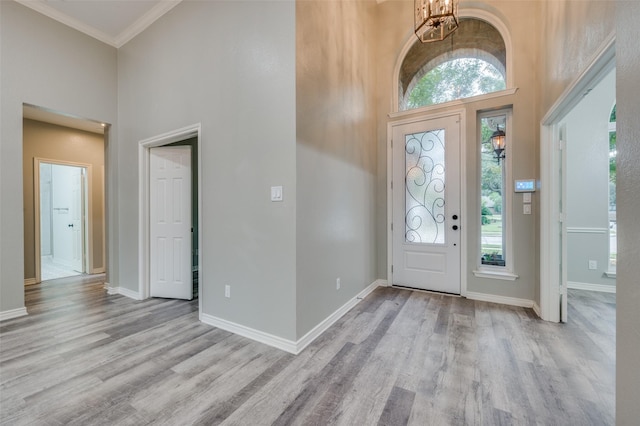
603 288
123 291
294 347
316 331
504 300
537 310
13 313
251 333
382 283
30 281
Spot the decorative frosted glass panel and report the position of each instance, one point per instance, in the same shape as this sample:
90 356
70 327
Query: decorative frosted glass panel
424 182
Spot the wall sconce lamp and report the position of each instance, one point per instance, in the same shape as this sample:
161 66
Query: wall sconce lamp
499 143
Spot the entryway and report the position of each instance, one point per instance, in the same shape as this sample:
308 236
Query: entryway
425 190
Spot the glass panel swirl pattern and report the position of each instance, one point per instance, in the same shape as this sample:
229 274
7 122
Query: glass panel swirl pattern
424 183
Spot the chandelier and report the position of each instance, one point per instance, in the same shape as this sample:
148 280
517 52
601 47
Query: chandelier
435 19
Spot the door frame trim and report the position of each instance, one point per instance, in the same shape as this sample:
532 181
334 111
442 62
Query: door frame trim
87 234
144 146
409 118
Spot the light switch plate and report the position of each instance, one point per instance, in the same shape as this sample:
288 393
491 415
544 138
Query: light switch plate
276 193
526 208
526 197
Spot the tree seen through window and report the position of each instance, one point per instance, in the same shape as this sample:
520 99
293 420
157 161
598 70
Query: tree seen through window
455 79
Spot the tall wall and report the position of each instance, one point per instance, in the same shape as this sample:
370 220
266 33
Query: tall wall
335 155
521 20
231 67
47 64
628 206
51 142
573 33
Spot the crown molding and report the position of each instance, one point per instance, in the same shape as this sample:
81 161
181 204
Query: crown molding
145 21
118 41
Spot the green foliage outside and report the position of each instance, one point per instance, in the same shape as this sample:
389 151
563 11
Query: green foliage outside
455 79
491 190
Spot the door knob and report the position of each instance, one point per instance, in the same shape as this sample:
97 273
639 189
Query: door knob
455 227
70 225
455 217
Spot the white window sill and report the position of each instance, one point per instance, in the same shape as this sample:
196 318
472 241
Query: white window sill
495 274
610 274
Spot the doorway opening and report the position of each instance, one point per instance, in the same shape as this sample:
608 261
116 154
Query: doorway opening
62 207
555 267
588 239
188 137
64 193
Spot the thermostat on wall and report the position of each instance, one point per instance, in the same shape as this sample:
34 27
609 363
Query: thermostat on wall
525 185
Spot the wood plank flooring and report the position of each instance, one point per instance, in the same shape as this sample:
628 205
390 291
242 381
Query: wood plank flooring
83 357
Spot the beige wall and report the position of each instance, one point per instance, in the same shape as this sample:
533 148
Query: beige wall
521 20
335 155
51 142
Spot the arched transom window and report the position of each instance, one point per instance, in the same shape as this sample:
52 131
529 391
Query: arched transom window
471 62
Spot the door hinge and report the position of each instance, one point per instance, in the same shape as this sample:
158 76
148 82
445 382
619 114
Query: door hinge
391 184
560 144
391 143
392 269
391 226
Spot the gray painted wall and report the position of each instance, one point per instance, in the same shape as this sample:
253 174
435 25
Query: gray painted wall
587 208
628 199
200 64
336 156
47 64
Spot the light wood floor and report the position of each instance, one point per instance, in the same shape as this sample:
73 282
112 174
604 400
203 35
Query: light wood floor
83 357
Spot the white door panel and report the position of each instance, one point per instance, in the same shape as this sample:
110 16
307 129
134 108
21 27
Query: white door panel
426 204
67 200
170 222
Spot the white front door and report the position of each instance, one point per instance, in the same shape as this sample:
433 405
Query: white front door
67 219
170 222
426 204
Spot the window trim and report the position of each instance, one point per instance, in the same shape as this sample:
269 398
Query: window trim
455 103
506 272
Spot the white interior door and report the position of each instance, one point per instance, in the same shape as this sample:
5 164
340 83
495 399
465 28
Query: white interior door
426 204
170 222
67 226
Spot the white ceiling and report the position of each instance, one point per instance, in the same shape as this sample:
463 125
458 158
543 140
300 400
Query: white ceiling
114 22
